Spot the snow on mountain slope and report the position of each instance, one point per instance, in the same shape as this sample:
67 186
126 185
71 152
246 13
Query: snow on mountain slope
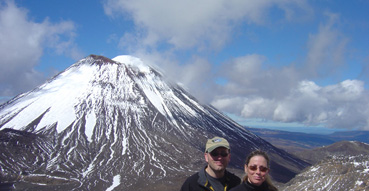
117 122
57 98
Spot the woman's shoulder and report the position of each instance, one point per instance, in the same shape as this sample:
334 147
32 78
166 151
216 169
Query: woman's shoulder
241 187
248 187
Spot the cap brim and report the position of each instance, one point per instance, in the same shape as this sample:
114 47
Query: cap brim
216 146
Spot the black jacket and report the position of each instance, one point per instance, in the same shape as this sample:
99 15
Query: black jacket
199 182
246 186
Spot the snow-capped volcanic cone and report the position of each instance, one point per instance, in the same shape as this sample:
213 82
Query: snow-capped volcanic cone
107 124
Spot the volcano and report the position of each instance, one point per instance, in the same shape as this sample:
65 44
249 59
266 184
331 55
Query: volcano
117 124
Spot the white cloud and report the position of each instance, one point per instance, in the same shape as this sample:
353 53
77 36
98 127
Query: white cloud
326 49
343 105
193 24
247 77
22 43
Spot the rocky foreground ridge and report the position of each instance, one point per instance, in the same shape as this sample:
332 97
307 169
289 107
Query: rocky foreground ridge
332 174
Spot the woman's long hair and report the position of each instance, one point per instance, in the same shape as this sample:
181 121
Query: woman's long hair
267 177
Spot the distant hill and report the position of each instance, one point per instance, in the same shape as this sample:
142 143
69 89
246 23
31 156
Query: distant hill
362 136
342 148
296 142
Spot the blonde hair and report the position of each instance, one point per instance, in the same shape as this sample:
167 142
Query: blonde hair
267 177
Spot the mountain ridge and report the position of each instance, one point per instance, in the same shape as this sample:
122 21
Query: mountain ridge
341 148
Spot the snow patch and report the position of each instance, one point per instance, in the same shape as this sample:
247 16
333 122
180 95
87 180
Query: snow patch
314 169
125 145
154 97
116 182
90 124
356 164
90 167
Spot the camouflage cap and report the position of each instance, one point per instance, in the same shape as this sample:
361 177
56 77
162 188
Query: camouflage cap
216 142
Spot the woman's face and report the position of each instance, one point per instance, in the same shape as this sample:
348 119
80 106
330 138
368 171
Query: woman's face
256 170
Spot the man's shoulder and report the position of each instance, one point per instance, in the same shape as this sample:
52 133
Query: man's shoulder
232 179
193 177
232 176
190 182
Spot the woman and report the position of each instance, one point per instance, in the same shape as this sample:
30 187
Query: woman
257 170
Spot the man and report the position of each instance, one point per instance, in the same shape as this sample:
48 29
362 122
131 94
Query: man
214 177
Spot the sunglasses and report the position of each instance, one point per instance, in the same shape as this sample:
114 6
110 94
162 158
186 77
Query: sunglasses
261 168
216 154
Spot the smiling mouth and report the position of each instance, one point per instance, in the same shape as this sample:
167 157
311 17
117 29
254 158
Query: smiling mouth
257 178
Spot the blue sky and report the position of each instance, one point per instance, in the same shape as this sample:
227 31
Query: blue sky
286 63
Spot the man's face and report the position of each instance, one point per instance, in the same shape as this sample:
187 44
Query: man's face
217 162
